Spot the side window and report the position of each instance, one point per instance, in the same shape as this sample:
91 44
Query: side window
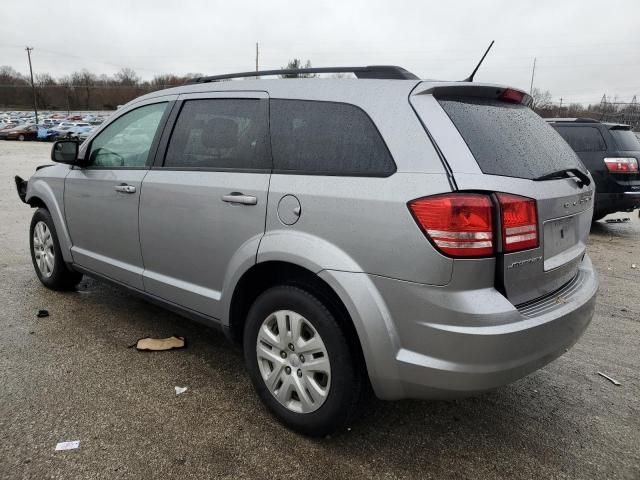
583 139
220 133
325 138
126 141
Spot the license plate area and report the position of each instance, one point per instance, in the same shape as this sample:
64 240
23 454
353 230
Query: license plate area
562 241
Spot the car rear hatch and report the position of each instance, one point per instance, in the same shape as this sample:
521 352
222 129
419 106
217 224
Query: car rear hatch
491 142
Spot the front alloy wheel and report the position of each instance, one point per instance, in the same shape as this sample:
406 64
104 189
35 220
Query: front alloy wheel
46 254
293 361
43 249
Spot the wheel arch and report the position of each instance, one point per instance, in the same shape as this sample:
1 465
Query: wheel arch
264 275
41 195
351 297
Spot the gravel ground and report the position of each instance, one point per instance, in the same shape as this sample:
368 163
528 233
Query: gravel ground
71 377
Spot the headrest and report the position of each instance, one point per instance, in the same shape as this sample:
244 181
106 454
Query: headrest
220 132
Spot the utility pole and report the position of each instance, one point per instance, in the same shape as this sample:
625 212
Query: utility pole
33 85
560 108
257 59
533 71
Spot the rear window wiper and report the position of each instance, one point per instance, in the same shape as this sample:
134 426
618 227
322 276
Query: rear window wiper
566 172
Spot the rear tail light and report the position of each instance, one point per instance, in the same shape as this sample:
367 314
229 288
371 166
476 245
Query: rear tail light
519 222
461 224
621 165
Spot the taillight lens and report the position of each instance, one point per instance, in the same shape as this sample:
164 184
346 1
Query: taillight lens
621 165
459 224
512 96
519 220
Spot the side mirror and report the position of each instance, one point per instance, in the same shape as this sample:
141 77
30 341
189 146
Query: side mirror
65 151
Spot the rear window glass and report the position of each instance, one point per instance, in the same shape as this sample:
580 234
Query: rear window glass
509 139
324 138
220 134
583 139
625 139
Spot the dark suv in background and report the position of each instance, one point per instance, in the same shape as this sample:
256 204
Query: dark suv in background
610 151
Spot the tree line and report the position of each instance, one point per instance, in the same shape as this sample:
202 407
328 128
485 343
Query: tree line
84 90
81 90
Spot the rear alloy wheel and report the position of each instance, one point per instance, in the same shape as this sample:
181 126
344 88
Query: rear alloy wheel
300 361
293 361
46 255
21 137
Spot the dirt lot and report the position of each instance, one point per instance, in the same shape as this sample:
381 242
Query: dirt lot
71 377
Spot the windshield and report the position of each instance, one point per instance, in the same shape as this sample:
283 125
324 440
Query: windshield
625 139
509 139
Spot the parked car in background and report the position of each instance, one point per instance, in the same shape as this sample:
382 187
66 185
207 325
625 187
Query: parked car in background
611 152
412 236
21 132
83 133
46 135
69 128
50 122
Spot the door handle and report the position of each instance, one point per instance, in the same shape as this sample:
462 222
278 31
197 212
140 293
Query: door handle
124 188
240 198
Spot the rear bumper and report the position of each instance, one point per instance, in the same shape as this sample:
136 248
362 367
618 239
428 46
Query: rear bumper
458 343
616 202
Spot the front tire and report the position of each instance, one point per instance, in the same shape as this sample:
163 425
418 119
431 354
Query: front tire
300 362
47 256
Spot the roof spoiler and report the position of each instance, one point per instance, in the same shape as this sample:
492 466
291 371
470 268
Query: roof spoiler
458 89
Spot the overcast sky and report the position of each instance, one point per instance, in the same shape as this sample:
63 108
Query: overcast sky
584 48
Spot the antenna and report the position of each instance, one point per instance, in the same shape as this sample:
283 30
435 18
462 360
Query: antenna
470 77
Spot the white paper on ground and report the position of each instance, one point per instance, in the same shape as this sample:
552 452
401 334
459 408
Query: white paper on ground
180 390
68 445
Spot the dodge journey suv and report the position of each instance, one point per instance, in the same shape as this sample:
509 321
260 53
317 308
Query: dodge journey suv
421 239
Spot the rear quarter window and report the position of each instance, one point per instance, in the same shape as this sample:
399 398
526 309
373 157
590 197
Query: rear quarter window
583 139
325 138
509 139
626 140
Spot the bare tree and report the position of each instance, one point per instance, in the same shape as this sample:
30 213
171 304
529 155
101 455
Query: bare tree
44 92
86 80
296 64
541 100
127 77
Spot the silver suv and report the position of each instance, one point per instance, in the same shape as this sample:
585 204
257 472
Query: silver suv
426 239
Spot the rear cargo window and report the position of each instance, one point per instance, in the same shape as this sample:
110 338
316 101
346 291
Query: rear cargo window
583 139
509 139
326 138
625 139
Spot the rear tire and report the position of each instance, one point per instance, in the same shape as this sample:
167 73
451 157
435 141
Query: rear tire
300 362
21 137
46 254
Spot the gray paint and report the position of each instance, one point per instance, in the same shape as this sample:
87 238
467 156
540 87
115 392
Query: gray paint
429 326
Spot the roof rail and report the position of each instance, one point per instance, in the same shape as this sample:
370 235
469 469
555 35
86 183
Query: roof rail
382 72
